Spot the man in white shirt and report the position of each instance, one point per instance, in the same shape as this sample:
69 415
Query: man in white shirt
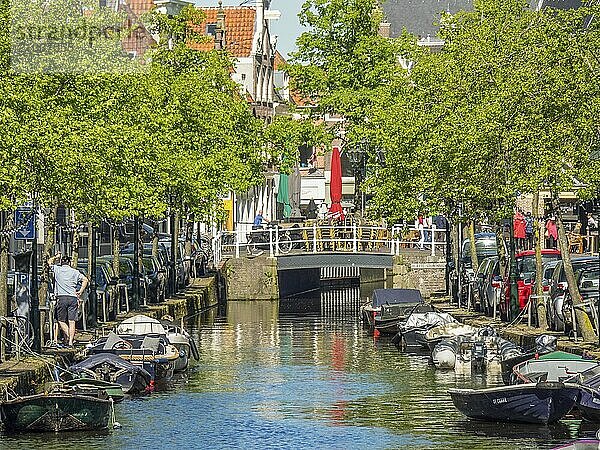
69 284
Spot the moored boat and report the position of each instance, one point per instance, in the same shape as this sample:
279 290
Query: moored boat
177 336
544 344
554 366
390 306
419 323
93 387
541 403
133 379
473 352
588 402
151 352
435 335
55 412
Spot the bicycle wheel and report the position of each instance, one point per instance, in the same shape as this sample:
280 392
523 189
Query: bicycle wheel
20 331
285 243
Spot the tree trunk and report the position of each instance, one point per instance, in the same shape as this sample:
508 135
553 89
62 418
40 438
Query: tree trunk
75 245
49 241
155 240
189 231
4 244
502 257
583 321
90 244
116 252
474 259
539 274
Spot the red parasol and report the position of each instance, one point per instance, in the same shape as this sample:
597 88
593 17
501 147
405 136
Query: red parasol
335 184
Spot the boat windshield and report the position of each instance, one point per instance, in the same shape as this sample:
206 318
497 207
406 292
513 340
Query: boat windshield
590 377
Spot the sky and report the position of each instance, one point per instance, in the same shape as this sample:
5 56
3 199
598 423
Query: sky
287 28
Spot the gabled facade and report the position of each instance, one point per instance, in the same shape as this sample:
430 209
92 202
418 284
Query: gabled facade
244 32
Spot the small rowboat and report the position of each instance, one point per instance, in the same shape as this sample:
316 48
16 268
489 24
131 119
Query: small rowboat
56 411
540 403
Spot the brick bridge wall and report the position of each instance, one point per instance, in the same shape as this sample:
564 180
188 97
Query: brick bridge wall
256 278
419 271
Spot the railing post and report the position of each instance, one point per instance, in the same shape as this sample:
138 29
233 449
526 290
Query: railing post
433 239
237 243
270 242
354 238
315 237
277 241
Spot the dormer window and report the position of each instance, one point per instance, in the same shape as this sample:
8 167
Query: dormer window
211 28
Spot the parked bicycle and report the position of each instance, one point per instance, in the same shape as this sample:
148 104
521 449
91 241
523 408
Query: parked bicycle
259 240
18 335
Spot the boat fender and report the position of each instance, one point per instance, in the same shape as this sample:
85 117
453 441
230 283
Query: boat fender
194 350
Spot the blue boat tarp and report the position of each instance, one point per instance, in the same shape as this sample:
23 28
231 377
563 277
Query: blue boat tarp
396 296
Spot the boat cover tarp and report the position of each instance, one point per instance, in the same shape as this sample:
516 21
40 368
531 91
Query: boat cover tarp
101 358
141 324
562 356
394 296
449 330
418 320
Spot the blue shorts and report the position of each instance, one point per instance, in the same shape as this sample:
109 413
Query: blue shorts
66 308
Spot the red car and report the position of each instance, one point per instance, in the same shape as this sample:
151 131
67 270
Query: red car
526 273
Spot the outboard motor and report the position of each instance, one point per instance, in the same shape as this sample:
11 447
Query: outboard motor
545 343
478 356
487 331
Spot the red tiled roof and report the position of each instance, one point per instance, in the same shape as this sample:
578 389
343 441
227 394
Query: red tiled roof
279 61
300 100
139 7
139 40
239 30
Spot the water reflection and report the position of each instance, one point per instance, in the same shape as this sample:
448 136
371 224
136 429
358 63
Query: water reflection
272 380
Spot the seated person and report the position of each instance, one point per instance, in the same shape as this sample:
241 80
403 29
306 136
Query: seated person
258 220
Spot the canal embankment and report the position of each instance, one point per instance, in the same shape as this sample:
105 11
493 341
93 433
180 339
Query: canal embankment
32 371
519 333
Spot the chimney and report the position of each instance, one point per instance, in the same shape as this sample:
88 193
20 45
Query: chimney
220 28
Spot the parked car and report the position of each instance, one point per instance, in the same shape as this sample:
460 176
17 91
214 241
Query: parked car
485 246
105 287
156 279
181 267
526 272
164 266
489 282
558 289
588 281
547 271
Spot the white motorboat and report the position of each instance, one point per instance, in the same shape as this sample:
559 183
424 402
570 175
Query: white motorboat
177 336
435 335
473 352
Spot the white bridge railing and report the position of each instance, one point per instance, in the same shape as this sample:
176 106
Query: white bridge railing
314 238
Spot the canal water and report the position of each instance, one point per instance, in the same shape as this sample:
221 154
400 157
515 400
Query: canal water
269 379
